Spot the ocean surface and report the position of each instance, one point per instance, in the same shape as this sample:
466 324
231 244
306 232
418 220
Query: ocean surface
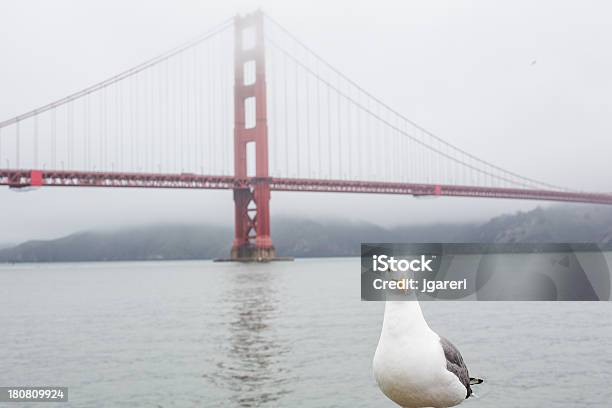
287 334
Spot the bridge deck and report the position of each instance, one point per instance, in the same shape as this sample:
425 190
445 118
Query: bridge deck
56 178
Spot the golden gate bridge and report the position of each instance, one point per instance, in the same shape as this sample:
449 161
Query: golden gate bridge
247 107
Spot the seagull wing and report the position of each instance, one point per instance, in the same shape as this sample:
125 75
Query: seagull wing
455 364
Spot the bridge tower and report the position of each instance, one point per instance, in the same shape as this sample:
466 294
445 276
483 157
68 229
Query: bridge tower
252 240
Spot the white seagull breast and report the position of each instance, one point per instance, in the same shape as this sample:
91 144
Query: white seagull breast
410 365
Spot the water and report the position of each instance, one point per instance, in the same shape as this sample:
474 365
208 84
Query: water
200 334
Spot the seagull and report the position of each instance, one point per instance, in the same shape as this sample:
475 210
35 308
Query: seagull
414 366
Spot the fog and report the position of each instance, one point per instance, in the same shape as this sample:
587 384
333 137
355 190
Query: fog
524 84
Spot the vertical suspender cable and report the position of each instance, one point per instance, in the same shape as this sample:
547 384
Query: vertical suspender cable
213 117
349 131
196 110
286 115
209 85
297 123
188 106
53 139
275 132
146 129
114 162
17 142
86 123
339 119
320 155
36 141
226 133
181 116
308 135
329 133
101 130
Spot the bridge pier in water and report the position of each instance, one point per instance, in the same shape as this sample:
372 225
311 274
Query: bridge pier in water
252 241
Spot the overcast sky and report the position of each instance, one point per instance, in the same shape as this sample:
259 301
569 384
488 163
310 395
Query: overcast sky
524 84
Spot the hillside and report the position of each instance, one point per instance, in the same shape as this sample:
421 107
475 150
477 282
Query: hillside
307 238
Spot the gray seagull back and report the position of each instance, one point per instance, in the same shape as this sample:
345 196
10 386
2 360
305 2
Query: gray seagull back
455 364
